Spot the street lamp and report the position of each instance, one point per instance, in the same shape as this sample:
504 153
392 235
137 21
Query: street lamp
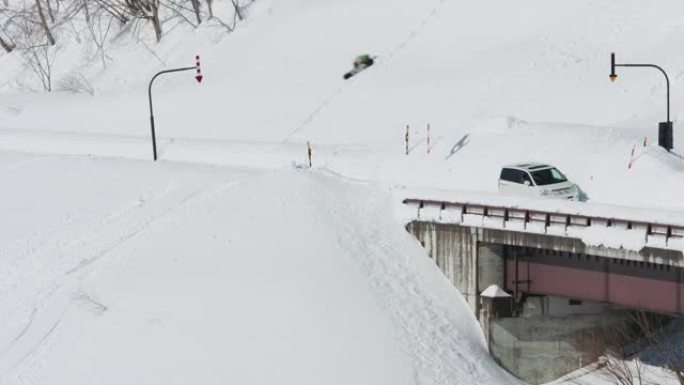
665 139
198 77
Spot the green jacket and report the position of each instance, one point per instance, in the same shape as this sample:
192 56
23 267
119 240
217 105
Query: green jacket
364 59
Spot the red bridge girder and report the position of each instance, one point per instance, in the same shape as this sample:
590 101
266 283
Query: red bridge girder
624 283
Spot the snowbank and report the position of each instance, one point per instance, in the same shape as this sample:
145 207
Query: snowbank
119 271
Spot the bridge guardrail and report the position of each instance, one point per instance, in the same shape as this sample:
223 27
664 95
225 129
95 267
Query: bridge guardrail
652 234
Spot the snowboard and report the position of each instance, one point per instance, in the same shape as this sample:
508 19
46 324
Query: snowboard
352 73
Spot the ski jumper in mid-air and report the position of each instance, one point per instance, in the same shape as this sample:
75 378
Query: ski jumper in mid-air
361 63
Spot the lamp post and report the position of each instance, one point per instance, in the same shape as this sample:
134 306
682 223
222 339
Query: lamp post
198 77
665 138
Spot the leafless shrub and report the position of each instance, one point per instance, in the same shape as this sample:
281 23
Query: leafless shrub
620 341
31 27
75 83
40 59
99 25
622 372
89 302
239 13
665 351
641 338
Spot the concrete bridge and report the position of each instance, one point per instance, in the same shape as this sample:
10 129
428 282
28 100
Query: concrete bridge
566 265
570 255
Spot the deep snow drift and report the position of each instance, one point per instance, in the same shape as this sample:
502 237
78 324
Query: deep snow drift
127 272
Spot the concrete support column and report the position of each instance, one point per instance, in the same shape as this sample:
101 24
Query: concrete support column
454 250
490 265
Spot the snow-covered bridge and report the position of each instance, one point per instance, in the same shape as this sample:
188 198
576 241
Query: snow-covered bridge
620 256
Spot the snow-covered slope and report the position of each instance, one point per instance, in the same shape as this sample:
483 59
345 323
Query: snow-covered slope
487 82
126 272
117 271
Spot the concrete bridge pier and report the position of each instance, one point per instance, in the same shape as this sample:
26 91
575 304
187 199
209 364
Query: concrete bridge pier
469 264
540 338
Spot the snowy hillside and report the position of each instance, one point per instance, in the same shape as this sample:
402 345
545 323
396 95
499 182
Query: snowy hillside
228 261
126 272
489 84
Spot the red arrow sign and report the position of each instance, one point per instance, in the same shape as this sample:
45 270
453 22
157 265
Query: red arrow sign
199 76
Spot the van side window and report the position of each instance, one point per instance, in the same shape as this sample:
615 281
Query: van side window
511 175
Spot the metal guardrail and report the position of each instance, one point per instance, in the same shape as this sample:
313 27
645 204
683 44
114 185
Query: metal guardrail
546 222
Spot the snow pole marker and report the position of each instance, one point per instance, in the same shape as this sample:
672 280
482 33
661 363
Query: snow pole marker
407 139
631 160
308 151
645 140
428 138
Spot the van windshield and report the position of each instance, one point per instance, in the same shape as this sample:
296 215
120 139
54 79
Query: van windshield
548 176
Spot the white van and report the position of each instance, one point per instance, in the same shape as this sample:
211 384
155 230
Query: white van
536 180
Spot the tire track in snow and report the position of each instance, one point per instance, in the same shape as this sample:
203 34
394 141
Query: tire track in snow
135 230
50 251
61 283
43 339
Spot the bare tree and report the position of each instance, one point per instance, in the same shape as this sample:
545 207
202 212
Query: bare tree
40 59
196 8
44 24
7 46
99 26
238 13
154 18
148 10
8 27
50 13
114 8
238 9
210 8
38 56
86 11
179 9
